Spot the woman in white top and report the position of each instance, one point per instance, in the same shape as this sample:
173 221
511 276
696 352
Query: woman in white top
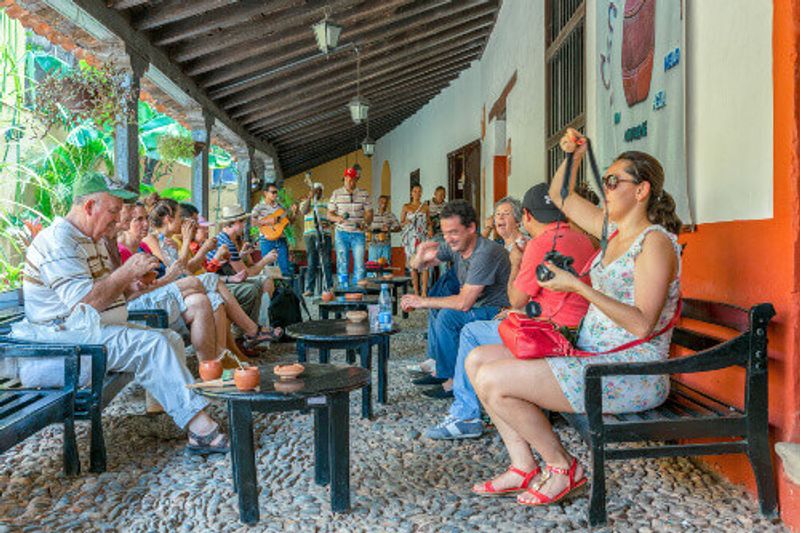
634 293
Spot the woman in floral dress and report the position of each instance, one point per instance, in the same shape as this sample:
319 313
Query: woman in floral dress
414 220
634 293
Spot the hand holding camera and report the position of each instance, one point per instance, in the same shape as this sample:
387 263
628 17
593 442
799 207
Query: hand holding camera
564 262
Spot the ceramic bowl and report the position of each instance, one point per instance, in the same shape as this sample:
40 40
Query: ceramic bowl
288 371
247 378
353 296
327 296
356 316
210 370
289 385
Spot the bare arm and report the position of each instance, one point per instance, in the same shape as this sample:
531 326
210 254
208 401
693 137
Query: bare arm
426 256
654 270
106 291
463 301
516 297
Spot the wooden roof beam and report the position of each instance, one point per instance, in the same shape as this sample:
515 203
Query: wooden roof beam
413 79
173 11
187 21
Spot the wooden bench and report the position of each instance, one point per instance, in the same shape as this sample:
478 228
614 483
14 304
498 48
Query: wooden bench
89 401
688 413
23 412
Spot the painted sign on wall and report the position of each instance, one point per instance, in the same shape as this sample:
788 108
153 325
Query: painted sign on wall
640 97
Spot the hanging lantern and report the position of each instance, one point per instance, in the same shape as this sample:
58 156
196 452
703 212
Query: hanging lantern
327 33
359 109
368 146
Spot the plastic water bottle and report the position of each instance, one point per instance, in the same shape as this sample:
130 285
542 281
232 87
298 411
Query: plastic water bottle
385 309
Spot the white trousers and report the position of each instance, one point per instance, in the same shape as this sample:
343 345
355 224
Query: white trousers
158 361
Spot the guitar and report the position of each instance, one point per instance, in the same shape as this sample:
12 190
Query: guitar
274 230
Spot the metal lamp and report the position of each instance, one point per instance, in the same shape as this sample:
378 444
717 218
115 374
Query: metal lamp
368 146
327 33
359 109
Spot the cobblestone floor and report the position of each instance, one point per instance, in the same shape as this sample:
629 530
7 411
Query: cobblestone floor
400 480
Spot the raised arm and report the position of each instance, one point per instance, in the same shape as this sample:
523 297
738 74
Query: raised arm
579 210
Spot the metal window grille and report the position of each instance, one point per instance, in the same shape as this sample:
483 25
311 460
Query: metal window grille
565 77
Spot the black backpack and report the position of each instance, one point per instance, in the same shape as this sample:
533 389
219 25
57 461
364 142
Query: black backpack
284 309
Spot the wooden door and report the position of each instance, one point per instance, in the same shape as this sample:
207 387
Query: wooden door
464 174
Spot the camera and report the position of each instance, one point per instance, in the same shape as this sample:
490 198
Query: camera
533 309
564 262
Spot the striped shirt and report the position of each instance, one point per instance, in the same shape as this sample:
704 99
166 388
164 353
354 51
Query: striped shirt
321 209
355 204
224 238
61 267
379 220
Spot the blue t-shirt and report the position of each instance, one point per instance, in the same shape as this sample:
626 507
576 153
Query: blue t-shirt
224 238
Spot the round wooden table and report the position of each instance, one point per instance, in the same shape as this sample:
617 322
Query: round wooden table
323 389
338 306
327 335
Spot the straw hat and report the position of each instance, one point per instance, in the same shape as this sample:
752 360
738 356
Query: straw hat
232 213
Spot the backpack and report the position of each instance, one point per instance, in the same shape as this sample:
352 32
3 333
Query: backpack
284 309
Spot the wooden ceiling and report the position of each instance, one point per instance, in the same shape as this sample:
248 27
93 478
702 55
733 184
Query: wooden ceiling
259 62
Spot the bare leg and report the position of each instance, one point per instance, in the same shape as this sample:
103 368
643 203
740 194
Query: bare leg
202 424
268 287
235 311
516 408
425 283
415 281
232 346
200 319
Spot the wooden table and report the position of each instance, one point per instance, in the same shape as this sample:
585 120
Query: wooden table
323 389
327 335
338 306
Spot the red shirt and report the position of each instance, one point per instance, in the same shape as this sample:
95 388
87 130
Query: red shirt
565 309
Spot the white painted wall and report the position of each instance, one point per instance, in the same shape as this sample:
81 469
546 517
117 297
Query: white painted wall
729 108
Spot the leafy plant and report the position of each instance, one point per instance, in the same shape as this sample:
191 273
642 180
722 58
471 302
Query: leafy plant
176 148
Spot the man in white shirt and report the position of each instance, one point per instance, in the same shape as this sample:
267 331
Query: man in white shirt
67 265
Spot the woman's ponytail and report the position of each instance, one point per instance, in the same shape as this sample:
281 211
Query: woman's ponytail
661 210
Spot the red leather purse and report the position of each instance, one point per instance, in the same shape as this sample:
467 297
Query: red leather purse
528 338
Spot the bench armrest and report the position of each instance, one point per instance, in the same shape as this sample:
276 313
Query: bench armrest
154 318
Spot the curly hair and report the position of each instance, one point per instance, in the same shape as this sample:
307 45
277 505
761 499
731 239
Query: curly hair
461 209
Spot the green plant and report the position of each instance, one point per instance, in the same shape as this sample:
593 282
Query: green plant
176 148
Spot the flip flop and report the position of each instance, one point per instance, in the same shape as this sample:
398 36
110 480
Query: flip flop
203 443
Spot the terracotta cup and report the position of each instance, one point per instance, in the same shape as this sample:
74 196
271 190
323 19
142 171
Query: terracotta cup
247 378
210 370
327 296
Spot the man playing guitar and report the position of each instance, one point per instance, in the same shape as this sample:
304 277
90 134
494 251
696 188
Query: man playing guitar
272 219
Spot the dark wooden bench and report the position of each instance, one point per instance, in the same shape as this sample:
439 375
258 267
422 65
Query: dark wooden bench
23 412
688 413
89 401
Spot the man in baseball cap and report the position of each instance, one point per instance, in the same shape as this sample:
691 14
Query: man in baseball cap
546 225
96 182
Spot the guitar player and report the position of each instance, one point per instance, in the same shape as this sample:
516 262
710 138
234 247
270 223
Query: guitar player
271 219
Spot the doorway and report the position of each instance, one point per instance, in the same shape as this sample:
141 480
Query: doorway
464 174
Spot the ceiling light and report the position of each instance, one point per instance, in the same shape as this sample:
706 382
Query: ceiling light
327 33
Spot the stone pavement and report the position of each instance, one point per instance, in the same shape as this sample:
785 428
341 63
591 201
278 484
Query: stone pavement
400 480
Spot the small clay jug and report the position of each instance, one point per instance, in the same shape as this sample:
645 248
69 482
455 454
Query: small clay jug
210 369
247 378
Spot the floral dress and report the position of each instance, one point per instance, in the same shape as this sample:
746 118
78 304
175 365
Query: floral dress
415 231
598 333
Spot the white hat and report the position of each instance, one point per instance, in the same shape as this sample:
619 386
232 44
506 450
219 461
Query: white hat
318 185
231 213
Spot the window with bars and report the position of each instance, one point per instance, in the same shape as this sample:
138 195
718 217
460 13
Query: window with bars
565 77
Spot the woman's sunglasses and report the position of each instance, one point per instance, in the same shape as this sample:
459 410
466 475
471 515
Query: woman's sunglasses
611 182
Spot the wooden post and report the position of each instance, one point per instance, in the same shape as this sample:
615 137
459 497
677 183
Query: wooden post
244 166
200 188
126 130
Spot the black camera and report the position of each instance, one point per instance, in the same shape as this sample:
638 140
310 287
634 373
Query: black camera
533 309
564 262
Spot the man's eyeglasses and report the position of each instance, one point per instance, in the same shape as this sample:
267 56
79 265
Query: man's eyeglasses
611 182
273 191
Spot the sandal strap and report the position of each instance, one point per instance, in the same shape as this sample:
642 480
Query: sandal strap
205 440
526 476
569 472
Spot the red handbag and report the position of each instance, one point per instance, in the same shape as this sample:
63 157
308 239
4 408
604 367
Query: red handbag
528 338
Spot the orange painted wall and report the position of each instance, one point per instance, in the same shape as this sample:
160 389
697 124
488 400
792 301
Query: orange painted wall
749 262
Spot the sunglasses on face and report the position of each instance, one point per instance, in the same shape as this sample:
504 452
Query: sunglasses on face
612 181
273 191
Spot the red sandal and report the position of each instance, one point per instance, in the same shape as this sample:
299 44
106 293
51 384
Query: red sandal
570 489
527 477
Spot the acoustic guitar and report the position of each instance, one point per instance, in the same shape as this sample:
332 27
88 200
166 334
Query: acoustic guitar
274 230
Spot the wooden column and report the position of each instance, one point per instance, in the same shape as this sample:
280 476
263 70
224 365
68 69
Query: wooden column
202 143
126 131
244 166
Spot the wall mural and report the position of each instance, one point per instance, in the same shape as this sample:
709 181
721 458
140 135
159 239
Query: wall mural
640 94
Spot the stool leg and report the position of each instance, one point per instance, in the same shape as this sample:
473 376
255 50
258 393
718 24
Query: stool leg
324 355
383 371
351 357
339 435
301 351
234 445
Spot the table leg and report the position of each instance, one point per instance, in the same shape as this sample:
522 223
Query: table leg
234 446
301 351
323 313
324 355
395 299
405 291
366 393
383 371
322 466
338 315
339 435
245 461
351 357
